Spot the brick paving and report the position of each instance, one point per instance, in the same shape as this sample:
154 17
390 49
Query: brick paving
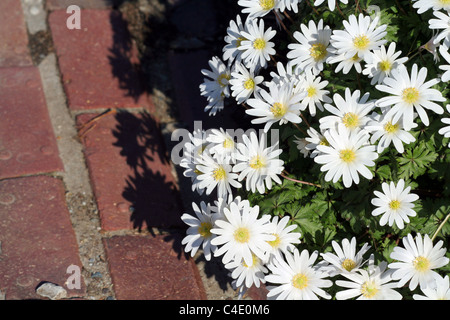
132 181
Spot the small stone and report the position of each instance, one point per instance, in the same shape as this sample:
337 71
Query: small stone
51 291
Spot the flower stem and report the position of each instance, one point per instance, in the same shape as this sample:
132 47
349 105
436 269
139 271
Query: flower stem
299 129
312 7
440 227
302 182
283 25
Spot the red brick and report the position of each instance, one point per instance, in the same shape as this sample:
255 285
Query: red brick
37 240
98 62
131 178
27 141
13 34
152 268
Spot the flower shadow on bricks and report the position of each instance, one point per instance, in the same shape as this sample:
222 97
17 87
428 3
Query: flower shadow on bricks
150 188
124 58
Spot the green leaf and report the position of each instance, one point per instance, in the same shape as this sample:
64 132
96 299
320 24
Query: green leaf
415 161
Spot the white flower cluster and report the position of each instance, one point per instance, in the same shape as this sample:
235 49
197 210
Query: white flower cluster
215 160
352 132
262 249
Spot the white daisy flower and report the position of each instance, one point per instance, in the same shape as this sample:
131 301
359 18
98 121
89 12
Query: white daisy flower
352 111
416 261
199 231
347 155
258 164
315 138
311 51
331 3
409 93
192 152
234 39
242 234
297 277
291 5
258 8
316 94
441 23
345 259
424 5
222 143
382 128
301 145
280 104
443 50
440 291
345 64
284 237
288 74
380 63
243 83
215 87
395 204
372 284
359 37
216 172
257 48
247 276
445 131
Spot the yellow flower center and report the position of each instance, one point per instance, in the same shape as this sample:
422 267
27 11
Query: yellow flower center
351 120
256 162
275 243
445 2
391 128
361 42
300 281
311 91
219 174
421 264
205 229
385 65
255 260
318 51
394 205
278 110
223 78
347 155
324 142
348 264
259 44
369 289
241 235
239 40
267 4
228 143
249 84
410 95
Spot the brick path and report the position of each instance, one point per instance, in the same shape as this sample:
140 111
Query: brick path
84 173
